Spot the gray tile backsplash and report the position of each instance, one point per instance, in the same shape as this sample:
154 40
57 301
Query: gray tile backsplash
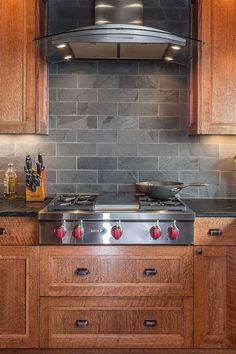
113 123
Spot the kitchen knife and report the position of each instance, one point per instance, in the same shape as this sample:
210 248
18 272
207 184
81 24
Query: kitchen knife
40 159
39 168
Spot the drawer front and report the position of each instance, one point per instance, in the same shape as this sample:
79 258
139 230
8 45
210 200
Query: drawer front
18 231
116 271
215 231
116 323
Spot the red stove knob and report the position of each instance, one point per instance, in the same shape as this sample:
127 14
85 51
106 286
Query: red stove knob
155 232
60 232
116 232
78 232
173 232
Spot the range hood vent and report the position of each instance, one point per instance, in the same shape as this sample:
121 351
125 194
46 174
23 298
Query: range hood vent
118 33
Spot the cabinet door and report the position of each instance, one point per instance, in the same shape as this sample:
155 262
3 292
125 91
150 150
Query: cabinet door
19 297
22 79
213 91
215 297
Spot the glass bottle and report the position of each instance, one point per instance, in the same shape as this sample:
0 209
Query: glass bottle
10 183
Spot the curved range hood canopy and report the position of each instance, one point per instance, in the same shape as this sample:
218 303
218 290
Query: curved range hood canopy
118 34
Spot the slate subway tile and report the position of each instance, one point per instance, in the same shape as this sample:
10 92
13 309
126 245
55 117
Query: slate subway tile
96 188
158 122
96 108
158 150
97 163
176 136
114 122
58 162
200 176
60 188
117 95
174 3
103 136
146 95
138 81
117 150
157 68
227 150
77 122
137 136
54 136
62 108
62 81
52 93
78 67
191 192
228 178
126 188
173 82
210 163
23 149
98 81
51 176
173 109
162 13
118 67
117 177
52 122
84 95
76 149
158 176
200 150
137 163
77 176
7 149
138 109
73 13
218 139
169 163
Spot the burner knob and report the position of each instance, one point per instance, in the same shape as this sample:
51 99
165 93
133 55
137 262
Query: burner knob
116 232
78 232
173 231
60 232
155 232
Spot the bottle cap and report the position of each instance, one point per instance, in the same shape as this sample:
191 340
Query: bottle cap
10 165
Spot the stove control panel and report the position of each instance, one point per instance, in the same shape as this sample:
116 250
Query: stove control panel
100 232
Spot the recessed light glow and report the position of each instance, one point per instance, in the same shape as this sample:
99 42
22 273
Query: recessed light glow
104 5
136 22
68 57
62 45
101 22
134 5
169 58
176 47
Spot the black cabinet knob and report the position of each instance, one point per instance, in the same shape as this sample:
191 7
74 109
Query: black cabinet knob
81 323
81 272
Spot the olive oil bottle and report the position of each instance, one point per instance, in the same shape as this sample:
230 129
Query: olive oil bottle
10 183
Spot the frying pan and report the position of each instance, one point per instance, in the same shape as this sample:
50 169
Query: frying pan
164 190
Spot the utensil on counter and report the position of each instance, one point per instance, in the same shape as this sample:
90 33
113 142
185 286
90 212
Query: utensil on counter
164 190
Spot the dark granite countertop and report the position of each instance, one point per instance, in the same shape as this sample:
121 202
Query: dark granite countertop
212 207
19 207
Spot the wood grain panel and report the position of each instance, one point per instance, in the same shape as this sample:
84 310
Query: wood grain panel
116 322
19 231
213 97
226 225
116 271
215 297
19 300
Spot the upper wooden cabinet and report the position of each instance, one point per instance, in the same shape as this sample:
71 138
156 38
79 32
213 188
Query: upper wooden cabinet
213 73
23 74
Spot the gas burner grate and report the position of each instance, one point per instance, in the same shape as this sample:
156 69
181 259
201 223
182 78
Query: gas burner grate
73 202
147 203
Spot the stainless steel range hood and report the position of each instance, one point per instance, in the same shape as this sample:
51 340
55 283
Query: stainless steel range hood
118 33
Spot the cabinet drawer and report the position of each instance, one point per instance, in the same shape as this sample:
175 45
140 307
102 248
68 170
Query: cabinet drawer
18 231
215 231
116 322
116 271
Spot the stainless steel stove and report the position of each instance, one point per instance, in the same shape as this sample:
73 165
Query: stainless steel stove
110 219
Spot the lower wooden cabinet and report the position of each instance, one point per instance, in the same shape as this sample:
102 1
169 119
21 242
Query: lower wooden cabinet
19 297
215 297
100 322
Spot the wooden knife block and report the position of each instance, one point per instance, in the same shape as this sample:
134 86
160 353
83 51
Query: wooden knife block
41 192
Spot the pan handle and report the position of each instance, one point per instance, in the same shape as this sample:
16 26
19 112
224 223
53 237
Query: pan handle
177 189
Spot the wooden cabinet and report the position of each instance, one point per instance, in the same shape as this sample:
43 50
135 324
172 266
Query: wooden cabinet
213 74
19 297
23 74
139 322
116 271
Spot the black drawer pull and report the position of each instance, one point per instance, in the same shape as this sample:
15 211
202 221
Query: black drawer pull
150 323
82 323
3 231
199 251
81 272
150 272
215 232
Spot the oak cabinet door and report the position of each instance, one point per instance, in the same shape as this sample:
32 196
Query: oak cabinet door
213 74
19 297
215 297
23 76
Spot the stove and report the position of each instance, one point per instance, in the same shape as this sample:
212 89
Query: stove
115 219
